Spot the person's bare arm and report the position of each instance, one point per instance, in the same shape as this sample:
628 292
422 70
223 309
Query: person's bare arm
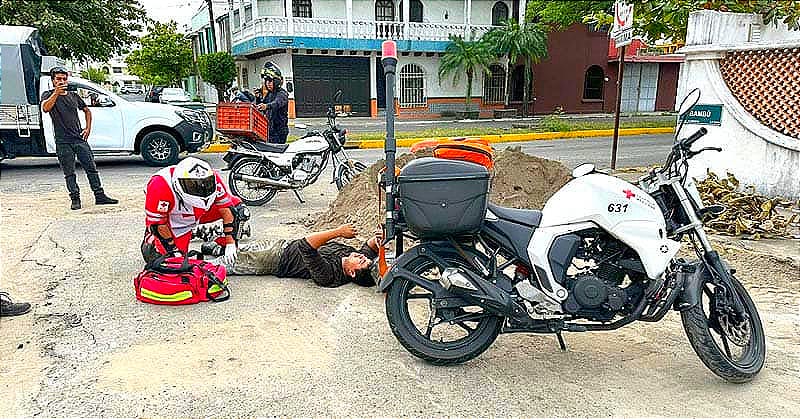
86 131
227 218
48 104
316 240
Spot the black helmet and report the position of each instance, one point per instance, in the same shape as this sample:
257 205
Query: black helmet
58 70
272 72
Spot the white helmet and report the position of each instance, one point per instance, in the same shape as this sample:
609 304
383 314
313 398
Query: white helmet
194 183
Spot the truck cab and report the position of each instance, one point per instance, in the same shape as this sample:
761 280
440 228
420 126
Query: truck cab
157 132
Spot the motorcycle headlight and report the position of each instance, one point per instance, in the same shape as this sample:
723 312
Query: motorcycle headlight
192 116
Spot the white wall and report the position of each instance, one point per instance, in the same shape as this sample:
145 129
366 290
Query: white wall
435 89
482 11
754 153
270 7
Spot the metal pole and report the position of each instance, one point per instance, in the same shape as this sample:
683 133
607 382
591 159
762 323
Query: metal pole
213 29
389 61
616 113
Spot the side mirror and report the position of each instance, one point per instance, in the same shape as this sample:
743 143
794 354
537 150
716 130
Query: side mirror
337 96
583 170
688 102
104 101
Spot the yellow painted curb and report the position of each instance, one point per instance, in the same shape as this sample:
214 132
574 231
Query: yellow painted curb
499 138
533 136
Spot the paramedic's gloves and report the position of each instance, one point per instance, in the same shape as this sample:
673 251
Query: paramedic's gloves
230 255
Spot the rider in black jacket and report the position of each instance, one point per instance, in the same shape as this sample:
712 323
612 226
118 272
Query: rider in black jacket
275 103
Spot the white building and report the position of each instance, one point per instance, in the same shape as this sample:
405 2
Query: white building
749 74
202 43
325 45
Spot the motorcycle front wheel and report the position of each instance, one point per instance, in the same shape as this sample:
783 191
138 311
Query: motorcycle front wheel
345 174
733 350
253 194
441 336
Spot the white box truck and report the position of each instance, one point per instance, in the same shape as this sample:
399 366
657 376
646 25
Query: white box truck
158 132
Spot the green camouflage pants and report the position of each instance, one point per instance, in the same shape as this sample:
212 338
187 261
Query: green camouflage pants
260 257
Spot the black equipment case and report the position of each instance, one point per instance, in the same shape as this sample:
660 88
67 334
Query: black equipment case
440 197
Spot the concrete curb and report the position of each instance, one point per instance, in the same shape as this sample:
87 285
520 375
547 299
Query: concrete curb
500 138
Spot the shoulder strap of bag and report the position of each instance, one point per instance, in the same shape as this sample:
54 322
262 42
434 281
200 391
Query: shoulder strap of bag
212 279
157 264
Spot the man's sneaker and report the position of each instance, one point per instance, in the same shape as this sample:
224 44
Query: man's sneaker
212 249
103 199
9 308
76 204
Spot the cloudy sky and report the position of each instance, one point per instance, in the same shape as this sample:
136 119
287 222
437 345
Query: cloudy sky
180 11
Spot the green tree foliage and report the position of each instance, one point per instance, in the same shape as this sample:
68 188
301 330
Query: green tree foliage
515 41
464 57
219 69
668 19
96 75
165 56
558 15
80 30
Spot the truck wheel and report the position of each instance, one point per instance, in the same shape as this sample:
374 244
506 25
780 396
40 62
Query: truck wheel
160 148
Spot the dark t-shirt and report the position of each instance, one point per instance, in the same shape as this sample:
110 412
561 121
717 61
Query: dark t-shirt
323 266
64 114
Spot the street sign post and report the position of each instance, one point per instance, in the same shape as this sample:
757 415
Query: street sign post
622 33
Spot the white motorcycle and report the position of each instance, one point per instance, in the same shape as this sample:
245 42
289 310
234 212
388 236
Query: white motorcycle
600 255
259 170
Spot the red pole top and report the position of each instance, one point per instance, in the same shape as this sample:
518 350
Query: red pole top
389 49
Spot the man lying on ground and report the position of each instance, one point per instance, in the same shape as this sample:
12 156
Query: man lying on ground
315 257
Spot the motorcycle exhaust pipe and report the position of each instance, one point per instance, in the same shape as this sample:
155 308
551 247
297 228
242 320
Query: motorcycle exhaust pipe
483 293
264 181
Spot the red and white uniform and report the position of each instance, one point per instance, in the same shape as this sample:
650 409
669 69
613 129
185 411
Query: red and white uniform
164 206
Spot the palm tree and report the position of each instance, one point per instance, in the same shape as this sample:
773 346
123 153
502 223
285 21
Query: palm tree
462 56
515 41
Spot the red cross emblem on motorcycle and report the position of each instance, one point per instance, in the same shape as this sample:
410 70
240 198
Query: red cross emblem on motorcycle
629 193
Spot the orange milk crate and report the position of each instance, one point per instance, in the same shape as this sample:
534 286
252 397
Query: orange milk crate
242 119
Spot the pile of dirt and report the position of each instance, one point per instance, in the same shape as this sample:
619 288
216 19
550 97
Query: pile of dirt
519 181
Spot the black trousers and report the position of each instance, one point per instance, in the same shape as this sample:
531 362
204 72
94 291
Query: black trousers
67 153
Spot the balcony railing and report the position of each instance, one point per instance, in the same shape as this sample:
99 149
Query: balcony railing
340 28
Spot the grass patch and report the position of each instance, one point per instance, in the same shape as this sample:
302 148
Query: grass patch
546 125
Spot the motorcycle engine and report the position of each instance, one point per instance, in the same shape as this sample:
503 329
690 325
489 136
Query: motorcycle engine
597 293
305 165
594 298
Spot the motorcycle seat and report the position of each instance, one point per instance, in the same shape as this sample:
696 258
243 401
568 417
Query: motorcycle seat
270 147
530 218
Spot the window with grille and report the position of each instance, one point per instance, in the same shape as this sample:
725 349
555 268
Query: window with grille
412 86
593 83
494 85
248 13
499 13
301 8
384 11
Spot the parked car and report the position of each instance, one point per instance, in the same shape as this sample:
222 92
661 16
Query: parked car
157 131
130 90
154 94
174 94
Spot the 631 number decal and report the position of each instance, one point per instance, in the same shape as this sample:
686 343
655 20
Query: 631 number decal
617 207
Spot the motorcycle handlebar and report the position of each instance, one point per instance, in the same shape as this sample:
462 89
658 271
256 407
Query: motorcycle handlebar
687 142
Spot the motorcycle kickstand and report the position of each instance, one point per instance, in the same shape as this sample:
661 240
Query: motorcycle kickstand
561 342
299 196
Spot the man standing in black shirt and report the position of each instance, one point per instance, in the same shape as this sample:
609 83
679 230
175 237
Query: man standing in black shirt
71 140
316 257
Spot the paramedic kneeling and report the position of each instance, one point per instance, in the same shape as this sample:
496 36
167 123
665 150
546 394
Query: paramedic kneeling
180 197
316 257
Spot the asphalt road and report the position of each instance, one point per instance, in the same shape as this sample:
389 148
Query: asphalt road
633 151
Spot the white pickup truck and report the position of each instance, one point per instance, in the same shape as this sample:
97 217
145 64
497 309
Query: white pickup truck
158 132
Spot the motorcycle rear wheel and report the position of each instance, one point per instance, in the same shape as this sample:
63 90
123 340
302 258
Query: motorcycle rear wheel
252 194
715 338
466 339
345 175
